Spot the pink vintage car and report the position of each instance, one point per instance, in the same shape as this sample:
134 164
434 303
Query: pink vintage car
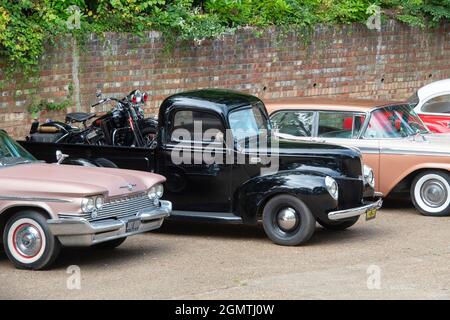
46 206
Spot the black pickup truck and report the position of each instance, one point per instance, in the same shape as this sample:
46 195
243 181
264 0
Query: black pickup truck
289 185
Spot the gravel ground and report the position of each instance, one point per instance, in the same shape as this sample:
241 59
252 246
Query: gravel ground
409 252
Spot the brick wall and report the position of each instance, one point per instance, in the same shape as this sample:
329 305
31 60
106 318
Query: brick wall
348 61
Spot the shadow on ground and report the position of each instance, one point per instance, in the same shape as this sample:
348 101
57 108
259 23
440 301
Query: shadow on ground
217 230
398 203
86 257
256 232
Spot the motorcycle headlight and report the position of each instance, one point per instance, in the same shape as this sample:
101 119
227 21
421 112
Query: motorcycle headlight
369 176
88 204
152 193
332 187
159 191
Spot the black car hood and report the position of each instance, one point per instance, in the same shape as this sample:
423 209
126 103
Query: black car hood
315 156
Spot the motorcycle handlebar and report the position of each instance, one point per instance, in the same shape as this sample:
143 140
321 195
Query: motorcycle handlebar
107 100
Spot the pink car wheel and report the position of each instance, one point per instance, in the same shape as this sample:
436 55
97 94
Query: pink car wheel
28 242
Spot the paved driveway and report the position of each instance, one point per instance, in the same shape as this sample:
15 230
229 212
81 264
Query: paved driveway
401 254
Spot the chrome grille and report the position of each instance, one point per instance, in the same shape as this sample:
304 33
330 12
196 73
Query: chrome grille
120 207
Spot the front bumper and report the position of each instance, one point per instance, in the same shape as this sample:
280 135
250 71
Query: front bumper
353 212
81 232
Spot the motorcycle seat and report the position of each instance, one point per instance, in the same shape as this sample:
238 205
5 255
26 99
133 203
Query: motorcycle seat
79 116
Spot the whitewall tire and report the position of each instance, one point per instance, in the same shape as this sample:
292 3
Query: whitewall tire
430 193
28 242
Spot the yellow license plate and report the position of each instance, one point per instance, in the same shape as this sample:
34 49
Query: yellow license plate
371 214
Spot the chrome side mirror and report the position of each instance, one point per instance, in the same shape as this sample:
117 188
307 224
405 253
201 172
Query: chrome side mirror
60 156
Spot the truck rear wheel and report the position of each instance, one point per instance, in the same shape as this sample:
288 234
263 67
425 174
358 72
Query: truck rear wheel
28 242
287 221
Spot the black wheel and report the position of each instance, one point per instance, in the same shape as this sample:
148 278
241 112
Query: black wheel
287 221
338 225
112 244
28 242
105 163
430 193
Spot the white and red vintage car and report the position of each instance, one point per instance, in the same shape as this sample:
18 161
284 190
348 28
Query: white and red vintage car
432 104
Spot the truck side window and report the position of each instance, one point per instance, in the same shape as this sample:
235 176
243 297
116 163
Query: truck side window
295 123
188 125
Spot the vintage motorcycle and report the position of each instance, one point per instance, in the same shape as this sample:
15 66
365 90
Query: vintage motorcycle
124 125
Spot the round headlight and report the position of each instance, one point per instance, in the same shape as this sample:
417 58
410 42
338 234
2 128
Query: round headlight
152 193
87 204
332 187
159 190
369 176
99 202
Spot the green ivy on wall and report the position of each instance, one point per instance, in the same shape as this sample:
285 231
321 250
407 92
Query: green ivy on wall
36 107
27 24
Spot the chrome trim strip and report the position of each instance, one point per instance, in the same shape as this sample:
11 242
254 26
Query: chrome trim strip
207 216
353 212
369 150
412 152
34 199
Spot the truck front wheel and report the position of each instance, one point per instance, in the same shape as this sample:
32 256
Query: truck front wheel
28 242
287 221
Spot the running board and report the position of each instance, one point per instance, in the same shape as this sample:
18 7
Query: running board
223 217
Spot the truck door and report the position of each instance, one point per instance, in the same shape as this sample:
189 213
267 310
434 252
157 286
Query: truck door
193 154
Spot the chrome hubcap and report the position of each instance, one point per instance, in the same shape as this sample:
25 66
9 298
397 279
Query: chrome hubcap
434 193
287 219
28 240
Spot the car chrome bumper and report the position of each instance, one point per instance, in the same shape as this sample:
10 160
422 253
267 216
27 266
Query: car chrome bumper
353 212
81 232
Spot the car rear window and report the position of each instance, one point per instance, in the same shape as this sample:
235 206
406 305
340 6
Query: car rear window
439 104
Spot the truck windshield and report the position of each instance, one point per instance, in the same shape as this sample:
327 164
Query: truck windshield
248 122
11 153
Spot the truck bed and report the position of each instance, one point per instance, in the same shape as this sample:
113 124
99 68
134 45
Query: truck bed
124 157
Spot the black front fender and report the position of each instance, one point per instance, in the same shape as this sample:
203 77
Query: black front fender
307 186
